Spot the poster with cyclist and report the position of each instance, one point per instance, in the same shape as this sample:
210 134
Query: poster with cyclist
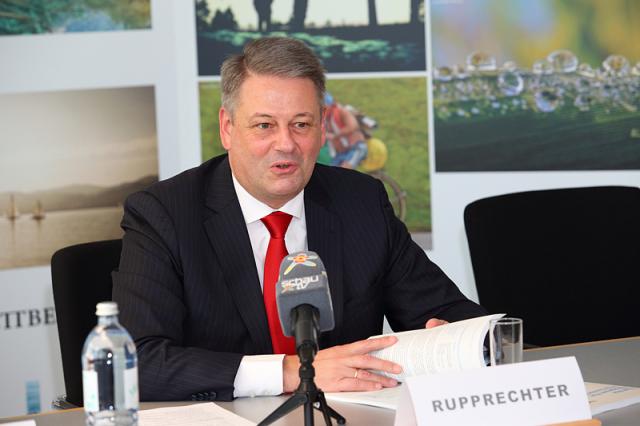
377 126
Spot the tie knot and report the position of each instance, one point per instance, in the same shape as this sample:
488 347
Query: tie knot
277 223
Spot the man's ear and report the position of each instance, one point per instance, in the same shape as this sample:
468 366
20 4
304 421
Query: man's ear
226 125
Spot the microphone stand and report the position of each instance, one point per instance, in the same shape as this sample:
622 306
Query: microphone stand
307 394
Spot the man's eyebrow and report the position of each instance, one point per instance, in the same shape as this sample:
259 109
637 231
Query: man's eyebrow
303 114
260 115
265 115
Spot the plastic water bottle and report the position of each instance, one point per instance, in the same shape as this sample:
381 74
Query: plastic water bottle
109 372
33 397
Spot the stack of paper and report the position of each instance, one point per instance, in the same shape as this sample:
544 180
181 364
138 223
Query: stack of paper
191 415
610 397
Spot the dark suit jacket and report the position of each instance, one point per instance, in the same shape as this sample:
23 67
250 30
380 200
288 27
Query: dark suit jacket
189 293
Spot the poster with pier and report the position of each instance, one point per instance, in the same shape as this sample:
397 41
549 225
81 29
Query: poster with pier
68 160
522 85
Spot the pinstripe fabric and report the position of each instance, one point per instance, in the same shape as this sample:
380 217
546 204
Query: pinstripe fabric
188 288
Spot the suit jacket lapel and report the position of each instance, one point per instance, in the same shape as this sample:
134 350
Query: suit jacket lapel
324 237
227 232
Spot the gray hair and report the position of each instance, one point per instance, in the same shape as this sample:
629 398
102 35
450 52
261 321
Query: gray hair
273 56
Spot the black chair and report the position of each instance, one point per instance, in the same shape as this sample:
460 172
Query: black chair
81 276
567 261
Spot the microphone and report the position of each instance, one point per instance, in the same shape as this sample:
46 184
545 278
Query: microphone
304 308
304 300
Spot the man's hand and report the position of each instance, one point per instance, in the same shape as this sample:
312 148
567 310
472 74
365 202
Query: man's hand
435 322
345 367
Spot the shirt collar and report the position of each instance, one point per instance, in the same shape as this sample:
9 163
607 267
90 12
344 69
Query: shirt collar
254 210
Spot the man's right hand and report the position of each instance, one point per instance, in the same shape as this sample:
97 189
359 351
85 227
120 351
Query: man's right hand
345 367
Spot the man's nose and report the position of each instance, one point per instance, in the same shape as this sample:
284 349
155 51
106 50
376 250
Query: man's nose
285 140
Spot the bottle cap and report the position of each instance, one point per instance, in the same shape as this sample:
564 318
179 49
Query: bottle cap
106 309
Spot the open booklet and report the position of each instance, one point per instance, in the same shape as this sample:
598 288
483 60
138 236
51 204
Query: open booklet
450 347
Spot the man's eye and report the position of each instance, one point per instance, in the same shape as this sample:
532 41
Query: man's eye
301 125
263 126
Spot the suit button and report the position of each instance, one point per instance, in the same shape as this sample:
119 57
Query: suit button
212 395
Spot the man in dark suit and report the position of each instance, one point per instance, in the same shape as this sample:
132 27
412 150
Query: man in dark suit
198 249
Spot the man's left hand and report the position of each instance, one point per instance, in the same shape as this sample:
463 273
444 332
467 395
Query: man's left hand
435 322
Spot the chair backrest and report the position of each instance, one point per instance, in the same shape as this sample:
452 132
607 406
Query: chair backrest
81 276
567 261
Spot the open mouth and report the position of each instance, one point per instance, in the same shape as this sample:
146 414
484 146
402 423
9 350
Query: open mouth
284 166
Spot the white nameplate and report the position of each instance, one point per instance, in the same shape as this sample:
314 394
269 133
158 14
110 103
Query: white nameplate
529 393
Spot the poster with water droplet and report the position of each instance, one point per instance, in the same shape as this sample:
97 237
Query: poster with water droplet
524 85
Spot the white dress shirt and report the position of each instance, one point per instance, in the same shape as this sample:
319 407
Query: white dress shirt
262 374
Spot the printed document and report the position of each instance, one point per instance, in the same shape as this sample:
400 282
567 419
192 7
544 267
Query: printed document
191 415
610 397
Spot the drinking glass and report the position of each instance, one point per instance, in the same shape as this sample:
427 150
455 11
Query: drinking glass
505 340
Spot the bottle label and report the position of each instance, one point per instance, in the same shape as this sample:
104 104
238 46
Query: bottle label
90 391
131 388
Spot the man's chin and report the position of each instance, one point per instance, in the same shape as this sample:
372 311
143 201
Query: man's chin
286 190
287 193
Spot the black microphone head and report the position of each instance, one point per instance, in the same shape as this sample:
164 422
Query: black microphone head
303 280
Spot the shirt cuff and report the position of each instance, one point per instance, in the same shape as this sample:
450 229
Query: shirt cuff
259 375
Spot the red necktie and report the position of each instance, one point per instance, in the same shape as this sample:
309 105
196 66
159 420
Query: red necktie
277 224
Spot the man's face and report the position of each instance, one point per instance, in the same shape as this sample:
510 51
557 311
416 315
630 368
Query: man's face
274 136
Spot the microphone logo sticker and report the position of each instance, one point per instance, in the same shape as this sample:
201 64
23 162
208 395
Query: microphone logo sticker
300 259
297 284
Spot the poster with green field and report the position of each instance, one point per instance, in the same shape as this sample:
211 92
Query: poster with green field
19 17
